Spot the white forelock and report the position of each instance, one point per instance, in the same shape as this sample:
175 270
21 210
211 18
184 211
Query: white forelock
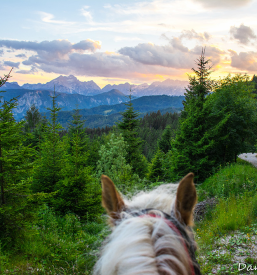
160 198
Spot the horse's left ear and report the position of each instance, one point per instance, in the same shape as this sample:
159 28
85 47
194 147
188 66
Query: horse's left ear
111 199
186 199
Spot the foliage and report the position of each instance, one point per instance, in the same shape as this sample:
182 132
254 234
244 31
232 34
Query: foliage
156 171
193 140
165 142
128 127
113 162
56 245
232 108
200 85
15 210
150 129
254 80
32 118
51 155
234 179
214 128
78 192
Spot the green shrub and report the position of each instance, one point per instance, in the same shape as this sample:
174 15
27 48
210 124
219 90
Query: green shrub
57 245
234 179
113 163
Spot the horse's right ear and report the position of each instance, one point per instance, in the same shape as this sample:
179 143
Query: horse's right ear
186 199
111 199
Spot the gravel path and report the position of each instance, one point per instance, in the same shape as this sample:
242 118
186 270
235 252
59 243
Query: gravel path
252 158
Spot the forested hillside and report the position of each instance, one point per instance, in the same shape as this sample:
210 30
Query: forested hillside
51 217
106 115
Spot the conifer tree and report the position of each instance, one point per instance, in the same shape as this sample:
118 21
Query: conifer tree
156 171
13 155
78 191
15 168
128 126
254 80
193 140
51 155
32 119
165 142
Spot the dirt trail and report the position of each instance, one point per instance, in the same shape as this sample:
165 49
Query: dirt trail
252 158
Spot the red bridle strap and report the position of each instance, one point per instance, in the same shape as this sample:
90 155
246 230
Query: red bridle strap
174 228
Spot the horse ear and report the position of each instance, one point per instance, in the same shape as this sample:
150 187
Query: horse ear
186 199
111 199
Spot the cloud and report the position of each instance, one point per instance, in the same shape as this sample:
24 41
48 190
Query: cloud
1 52
87 14
223 3
141 61
242 34
52 49
177 44
56 46
22 55
1 66
12 64
48 18
192 34
244 60
174 55
33 70
98 64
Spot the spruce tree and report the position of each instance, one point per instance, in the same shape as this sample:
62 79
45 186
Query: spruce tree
128 127
156 171
254 80
13 155
193 140
165 142
51 155
32 119
78 191
15 168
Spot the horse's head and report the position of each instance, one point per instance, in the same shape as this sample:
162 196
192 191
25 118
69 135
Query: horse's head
151 233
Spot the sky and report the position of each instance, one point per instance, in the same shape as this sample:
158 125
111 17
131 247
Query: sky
116 41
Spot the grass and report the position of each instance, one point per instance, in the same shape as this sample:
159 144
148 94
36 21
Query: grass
232 224
234 179
56 245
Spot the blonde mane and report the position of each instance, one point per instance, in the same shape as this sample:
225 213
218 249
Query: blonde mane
143 244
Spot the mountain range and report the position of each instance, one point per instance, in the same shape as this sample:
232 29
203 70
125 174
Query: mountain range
71 85
167 87
42 100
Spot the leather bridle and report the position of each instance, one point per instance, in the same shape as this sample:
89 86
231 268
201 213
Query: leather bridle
179 229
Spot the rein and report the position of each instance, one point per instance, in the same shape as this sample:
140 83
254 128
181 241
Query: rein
176 226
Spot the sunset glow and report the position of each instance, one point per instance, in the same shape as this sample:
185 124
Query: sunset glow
118 41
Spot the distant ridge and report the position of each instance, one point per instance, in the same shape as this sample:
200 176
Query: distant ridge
63 84
71 85
42 100
167 87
